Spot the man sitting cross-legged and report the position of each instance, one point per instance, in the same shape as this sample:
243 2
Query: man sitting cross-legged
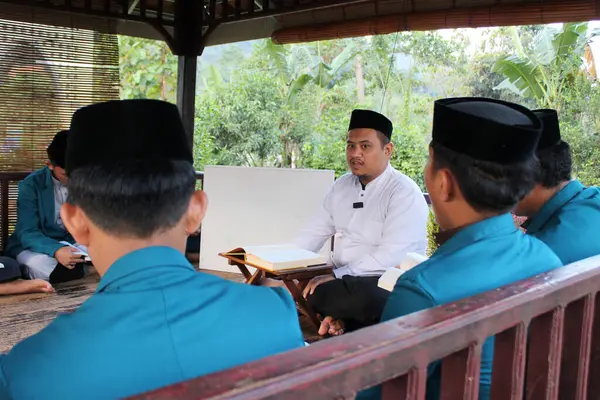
481 163
153 320
36 241
377 215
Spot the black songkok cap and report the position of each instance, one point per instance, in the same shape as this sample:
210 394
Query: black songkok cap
57 149
126 131
366 119
550 130
485 129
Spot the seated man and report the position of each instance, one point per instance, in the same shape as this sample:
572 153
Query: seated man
481 163
11 282
562 213
36 240
153 320
377 215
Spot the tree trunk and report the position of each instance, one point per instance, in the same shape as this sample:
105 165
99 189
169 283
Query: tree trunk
360 81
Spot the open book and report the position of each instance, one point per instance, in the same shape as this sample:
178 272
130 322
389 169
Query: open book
389 278
80 250
278 257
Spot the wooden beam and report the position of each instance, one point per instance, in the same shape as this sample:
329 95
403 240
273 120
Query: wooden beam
498 15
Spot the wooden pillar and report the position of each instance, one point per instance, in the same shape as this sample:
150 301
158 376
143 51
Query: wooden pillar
188 43
186 93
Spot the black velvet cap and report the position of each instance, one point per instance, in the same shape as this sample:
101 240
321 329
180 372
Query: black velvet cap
366 119
486 129
57 149
126 130
550 130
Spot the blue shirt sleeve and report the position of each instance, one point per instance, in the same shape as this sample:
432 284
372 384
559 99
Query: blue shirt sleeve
406 298
4 393
28 223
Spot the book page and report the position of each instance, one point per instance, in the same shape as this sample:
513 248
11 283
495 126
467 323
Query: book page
280 254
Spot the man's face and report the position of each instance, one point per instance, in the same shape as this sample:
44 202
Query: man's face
366 155
59 173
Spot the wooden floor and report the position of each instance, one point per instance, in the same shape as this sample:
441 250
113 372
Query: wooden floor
24 315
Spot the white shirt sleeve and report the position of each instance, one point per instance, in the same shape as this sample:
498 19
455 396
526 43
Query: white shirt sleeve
319 229
404 231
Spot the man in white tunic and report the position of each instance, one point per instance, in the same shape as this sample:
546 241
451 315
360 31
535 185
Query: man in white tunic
377 215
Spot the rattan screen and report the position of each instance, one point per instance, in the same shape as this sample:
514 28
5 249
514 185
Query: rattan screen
46 73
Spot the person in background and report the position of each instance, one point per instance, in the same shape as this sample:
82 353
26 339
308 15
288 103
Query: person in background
11 282
560 212
377 215
481 164
153 321
36 241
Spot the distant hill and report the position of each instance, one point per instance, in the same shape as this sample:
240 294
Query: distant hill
214 55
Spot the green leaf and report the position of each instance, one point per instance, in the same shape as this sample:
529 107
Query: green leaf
297 86
572 39
348 54
522 73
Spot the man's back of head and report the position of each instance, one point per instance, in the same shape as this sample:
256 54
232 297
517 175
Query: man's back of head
481 159
554 165
131 178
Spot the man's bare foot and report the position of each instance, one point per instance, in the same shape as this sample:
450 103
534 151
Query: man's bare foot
22 286
333 327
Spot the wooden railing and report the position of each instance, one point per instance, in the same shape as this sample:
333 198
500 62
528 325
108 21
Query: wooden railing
547 346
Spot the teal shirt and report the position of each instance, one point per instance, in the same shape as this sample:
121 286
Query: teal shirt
36 228
477 259
568 223
153 321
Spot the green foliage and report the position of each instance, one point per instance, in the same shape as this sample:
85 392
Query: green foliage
289 106
432 229
242 121
548 71
148 69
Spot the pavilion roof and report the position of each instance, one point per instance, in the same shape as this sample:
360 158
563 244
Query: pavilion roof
225 21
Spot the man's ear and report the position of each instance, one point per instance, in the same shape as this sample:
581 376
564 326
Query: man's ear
196 211
388 149
76 222
448 188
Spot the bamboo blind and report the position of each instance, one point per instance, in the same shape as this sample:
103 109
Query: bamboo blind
521 13
46 73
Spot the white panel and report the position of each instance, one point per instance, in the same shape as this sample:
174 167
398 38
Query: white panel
257 206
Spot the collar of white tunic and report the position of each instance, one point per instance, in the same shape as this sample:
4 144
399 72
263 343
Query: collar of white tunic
375 182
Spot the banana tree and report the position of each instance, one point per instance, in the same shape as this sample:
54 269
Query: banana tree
544 74
295 67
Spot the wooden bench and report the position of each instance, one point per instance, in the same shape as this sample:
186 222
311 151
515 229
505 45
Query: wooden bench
559 311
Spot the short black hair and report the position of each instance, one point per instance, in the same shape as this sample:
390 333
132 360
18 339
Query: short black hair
555 165
487 186
57 149
134 199
383 138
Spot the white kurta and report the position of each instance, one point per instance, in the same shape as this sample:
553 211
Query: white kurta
371 239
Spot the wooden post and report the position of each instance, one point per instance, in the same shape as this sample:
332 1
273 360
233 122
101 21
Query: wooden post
186 93
189 44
